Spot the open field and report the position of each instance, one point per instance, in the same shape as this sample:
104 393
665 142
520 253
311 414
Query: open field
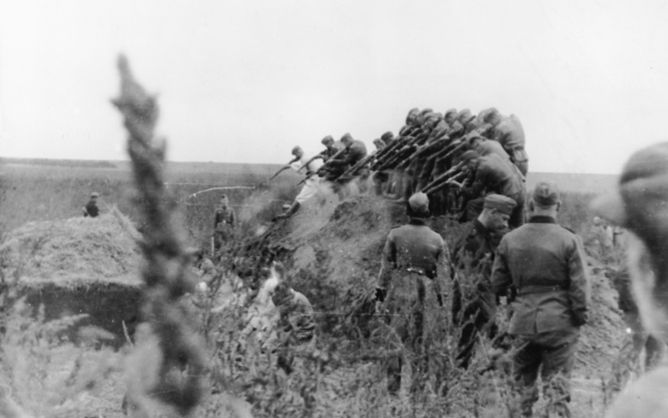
331 252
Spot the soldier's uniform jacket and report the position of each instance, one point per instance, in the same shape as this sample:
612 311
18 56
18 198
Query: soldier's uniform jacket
497 175
296 324
356 151
91 209
509 133
488 146
329 152
224 218
545 263
412 247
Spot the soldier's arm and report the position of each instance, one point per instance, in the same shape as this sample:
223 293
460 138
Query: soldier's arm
387 263
501 279
579 289
443 272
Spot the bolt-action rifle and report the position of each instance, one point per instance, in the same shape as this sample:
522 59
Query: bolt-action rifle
327 164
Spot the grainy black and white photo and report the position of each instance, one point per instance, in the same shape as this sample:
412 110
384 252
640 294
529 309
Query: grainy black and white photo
289 208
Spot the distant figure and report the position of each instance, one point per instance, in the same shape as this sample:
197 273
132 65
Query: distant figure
91 209
224 221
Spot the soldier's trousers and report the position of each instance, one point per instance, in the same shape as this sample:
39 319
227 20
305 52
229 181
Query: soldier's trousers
553 353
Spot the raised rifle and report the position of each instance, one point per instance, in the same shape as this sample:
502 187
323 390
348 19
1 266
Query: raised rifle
453 179
350 172
285 167
445 176
324 166
400 154
389 151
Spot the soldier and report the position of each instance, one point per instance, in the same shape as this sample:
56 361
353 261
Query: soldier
296 325
508 131
486 146
466 118
331 147
355 150
493 174
224 221
544 264
639 205
474 306
91 209
311 184
411 285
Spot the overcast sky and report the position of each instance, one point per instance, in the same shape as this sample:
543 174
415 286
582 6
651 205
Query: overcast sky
244 81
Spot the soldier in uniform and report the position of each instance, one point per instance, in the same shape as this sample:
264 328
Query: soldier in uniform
411 285
508 131
474 303
639 205
311 184
91 209
331 147
355 151
494 174
224 221
545 265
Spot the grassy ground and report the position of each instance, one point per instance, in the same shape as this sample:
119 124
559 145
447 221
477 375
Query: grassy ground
343 378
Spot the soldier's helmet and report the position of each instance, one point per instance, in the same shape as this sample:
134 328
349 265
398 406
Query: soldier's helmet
95 195
328 140
297 151
347 138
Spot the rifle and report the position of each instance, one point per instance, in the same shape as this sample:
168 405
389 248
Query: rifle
438 142
355 167
324 166
388 151
392 160
454 179
285 167
445 176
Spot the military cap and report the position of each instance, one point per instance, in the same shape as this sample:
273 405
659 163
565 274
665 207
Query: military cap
326 140
640 201
95 194
545 194
499 202
469 155
387 136
426 111
418 203
489 115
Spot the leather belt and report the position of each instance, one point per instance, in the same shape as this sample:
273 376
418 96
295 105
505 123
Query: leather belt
526 290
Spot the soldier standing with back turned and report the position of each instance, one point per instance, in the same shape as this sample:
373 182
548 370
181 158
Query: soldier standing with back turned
410 287
545 265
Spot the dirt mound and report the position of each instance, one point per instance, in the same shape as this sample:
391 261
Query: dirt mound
76 249
75 266
333 255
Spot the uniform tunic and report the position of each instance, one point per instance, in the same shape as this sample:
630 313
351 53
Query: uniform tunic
510 134
223 222
412 272
545 263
